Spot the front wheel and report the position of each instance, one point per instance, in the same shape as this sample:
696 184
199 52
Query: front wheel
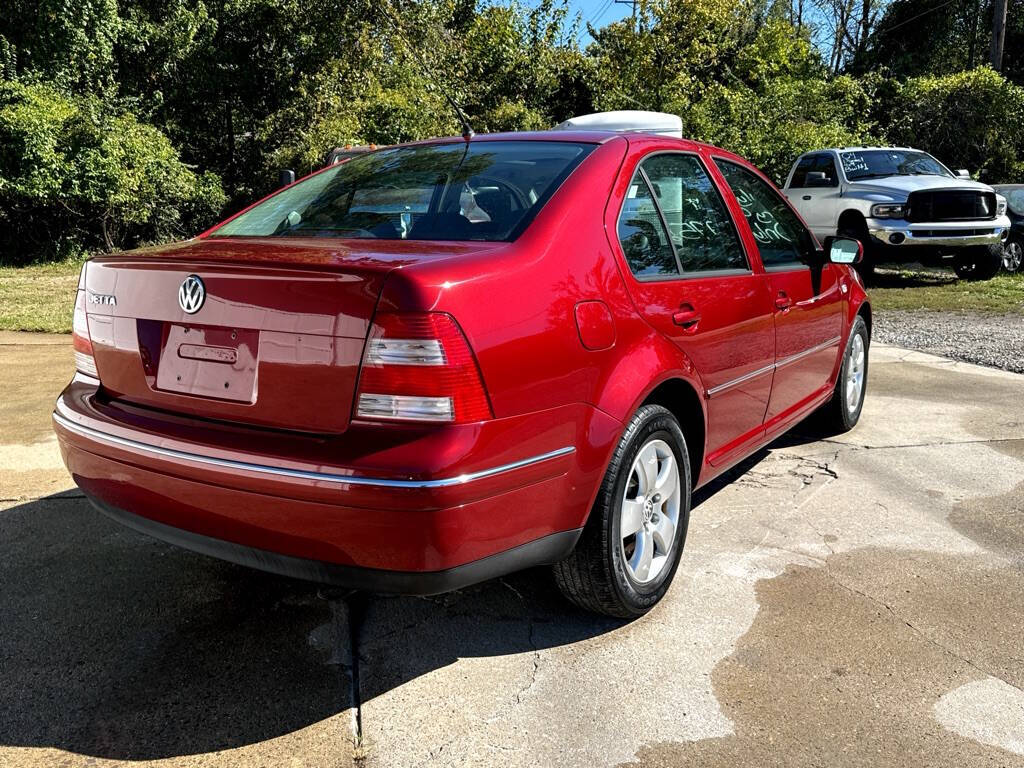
842 412
628 553
1012 254
978 262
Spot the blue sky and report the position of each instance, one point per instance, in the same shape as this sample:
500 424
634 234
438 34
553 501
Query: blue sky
599 13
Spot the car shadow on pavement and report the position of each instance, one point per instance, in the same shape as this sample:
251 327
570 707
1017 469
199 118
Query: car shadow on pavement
119 646
114 645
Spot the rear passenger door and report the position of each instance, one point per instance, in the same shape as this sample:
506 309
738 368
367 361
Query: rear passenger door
807 295
690 277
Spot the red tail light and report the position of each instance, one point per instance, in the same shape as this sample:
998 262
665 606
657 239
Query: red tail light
419 367
80 341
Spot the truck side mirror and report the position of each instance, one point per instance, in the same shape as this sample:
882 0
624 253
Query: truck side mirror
285 177
963 173
817 179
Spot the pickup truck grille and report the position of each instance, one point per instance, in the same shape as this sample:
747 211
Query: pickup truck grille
950 205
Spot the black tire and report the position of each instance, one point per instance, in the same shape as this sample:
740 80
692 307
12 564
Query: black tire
596 576
1012 253
837 415
866 267
979 262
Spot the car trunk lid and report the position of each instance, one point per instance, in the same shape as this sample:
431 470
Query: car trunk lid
275 341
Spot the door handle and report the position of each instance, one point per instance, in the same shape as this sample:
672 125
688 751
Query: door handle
783 302
686 317
806 197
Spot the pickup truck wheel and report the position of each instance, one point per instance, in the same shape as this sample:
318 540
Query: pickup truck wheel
978 263
842 412
628 553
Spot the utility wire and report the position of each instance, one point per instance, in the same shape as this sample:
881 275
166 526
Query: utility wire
594 18
886 30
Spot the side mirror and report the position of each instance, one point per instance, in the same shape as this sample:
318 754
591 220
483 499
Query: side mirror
963 173
284 178
817 179
844 250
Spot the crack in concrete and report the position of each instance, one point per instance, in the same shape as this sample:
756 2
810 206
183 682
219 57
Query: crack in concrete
69 497
918 631
348 610
536 663
934 444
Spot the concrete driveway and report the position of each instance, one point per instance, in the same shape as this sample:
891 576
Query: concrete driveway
847 601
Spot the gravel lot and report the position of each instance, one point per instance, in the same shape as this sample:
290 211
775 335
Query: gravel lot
994 340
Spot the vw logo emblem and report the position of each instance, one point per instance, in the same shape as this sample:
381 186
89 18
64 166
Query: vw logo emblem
192 294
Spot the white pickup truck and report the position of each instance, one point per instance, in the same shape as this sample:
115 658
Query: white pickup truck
903 205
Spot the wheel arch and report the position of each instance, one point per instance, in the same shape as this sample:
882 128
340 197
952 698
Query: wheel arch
854 219
681 399
864 311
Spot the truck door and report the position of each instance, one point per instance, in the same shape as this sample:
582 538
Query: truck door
818 199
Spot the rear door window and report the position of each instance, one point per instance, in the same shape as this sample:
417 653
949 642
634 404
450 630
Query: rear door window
642 233
674 222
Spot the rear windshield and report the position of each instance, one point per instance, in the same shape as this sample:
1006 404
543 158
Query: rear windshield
480 190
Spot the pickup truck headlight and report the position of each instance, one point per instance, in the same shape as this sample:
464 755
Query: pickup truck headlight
887 211
1000 205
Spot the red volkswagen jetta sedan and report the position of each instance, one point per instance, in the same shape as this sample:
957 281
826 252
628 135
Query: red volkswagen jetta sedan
437 363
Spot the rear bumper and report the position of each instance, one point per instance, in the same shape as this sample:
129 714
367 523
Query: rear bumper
511 501
896 232
543 551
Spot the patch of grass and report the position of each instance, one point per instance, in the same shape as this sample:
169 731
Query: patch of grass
41 297
934 289
38 298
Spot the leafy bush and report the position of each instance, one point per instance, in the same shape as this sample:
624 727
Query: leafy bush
972 120
73 177
772 126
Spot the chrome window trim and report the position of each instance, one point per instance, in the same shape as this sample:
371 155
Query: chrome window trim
300 474
771 368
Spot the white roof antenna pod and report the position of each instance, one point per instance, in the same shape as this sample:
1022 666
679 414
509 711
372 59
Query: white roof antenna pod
626 121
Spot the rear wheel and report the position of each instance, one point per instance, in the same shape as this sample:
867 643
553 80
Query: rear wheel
842 412
979 262
628 553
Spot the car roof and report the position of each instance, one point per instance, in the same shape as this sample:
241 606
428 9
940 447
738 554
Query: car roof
569 136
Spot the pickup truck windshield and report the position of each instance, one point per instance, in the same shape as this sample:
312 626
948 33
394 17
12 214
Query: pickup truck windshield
480 190
876 163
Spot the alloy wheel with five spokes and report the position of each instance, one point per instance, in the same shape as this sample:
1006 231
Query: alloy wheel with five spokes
650 511
855 372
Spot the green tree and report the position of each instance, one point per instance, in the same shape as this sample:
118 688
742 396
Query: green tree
74 177
972 120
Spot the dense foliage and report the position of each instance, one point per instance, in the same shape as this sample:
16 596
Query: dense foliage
129 121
